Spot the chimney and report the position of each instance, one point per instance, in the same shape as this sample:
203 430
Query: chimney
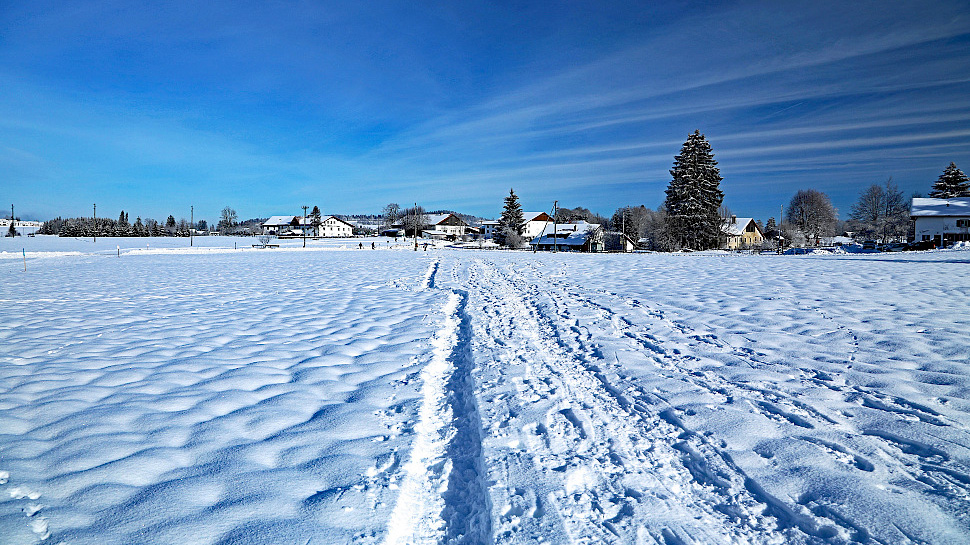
734 219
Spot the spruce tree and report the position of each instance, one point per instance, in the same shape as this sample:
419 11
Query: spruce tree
951 184
512 222
694 196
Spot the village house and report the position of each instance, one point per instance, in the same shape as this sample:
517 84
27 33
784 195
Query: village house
280 225
570 237
535 224
445 227
739 233
488 228
330 226
941 220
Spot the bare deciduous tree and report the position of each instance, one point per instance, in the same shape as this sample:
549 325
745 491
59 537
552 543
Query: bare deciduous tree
881 212
811 212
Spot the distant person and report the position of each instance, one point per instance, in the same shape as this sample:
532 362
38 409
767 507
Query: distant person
360 245
372 247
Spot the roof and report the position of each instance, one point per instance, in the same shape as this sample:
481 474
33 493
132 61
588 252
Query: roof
923 207
337 219
531 216
437 219
736 228
490 222
278 221
567 234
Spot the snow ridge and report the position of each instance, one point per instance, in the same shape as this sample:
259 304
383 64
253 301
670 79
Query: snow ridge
443 498
417 516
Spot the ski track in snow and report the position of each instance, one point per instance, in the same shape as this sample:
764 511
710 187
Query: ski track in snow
466 397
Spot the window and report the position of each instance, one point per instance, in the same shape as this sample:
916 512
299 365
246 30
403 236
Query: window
963 223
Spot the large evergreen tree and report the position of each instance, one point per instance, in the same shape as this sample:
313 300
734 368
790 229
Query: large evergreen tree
952 183
694 196
511 223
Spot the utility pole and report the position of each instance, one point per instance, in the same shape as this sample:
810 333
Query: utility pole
191 223
415 222
555 226
95 222
304 225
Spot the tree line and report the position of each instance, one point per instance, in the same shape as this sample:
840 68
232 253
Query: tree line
122 227
693 216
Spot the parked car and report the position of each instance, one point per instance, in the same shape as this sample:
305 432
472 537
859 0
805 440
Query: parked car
892 247
921 245
869 245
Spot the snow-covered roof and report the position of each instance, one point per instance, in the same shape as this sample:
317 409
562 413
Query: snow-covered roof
923 207
567 234
278 221
735 228
489 222
335 218
531 216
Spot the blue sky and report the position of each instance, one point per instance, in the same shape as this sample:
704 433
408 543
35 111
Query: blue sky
269 106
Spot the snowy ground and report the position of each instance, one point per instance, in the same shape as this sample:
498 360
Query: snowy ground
336 395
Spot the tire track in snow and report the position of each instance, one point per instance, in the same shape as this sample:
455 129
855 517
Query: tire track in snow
443 498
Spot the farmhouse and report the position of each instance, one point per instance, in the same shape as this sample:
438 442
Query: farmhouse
941 220
535 224
445 226
279 225
570 237
330 226
737 233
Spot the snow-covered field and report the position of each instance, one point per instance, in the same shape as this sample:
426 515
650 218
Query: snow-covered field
335 395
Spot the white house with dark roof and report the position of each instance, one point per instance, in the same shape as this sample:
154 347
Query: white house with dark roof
941 220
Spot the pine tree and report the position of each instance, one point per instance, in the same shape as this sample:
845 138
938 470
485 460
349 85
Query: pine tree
694 196
771 227
511 223
951 184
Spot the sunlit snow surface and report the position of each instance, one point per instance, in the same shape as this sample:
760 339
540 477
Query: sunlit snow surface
331 395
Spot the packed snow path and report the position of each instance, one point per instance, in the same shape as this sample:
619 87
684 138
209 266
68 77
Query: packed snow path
480 397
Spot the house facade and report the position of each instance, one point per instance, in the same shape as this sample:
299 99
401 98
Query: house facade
941 220
535 224
570 237
738 233
445 226
488 229
332 226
